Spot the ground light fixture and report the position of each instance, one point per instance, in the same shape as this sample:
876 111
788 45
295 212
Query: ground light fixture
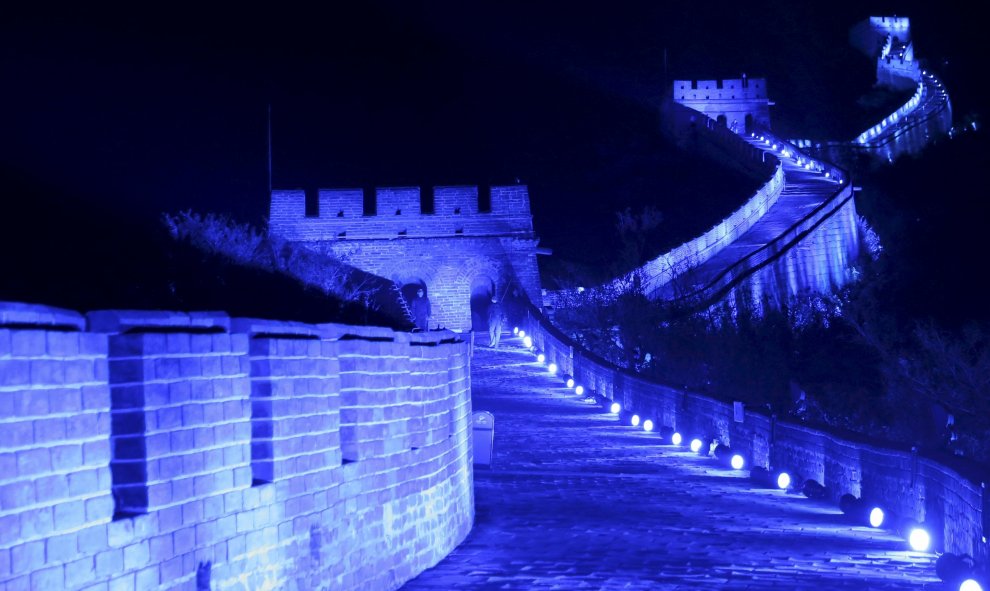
737 462
634 420
615 408
541 358
647 425
552 368
527 341
956 569
676 438
579 390
696 445
783 481
515 330
570 382
876 517
522 333
970 585
919 539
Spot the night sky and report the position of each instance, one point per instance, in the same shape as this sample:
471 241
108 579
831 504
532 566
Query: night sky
137 111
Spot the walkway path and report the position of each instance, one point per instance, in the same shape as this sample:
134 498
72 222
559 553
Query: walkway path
576 501
803 191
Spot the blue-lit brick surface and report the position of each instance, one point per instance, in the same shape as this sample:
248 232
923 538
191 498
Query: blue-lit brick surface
126 460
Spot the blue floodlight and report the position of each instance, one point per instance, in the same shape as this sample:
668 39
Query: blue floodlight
696 445
527 341
737 462
634 420
783 481
579 390
970 585
541 358
552 368
615 408
570 382
515 330
876 517
676 438
919 539
522 333
647 425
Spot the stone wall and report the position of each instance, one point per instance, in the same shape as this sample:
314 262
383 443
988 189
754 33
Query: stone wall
466 243
741 102
193 451
659 272
950 500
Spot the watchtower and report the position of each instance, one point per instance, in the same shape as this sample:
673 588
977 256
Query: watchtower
462 244
737 103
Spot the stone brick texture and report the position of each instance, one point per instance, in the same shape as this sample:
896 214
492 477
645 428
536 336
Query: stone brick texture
166 450
456 246
949 499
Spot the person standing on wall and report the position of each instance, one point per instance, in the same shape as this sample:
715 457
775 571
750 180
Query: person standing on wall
495 317
421 310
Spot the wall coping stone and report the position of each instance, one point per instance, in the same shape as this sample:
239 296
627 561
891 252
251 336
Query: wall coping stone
254 326
19 313
115 321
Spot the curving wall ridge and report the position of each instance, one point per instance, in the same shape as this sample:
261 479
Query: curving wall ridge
660 271
196 451
952 501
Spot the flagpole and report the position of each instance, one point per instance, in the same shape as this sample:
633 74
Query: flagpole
269 149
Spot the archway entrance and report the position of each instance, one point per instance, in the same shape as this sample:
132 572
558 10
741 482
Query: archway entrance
409 289
721 121
482 288
749 123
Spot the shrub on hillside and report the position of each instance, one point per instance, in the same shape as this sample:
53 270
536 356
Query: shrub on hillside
245 245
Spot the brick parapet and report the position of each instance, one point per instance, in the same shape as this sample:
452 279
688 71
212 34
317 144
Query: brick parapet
398 214
949 501
69 401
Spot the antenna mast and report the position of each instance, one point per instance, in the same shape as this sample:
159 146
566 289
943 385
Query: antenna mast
269 149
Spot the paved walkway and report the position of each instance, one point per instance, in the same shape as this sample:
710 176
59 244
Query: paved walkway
576 501
804 190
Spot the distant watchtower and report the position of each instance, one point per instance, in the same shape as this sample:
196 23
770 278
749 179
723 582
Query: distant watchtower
896 65
738 103
462 244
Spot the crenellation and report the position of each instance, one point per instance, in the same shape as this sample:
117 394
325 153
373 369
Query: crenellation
334 203
398 201
468 239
